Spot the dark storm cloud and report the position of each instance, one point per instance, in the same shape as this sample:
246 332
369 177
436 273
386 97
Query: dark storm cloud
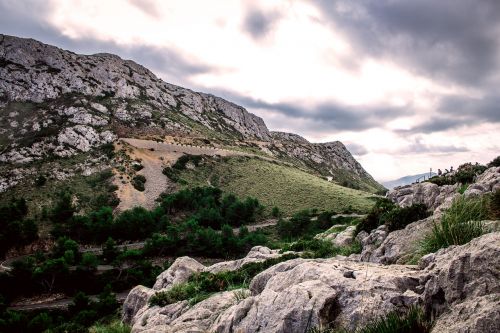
447 39
456 111
332 116
258 23
27 19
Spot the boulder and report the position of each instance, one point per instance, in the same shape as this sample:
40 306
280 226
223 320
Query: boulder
180 317
478 315
398 246
136 300
345 238
460 273
179 272
256 254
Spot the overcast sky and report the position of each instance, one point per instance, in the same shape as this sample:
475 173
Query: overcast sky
407 85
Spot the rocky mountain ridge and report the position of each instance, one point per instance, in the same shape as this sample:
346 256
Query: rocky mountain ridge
57 103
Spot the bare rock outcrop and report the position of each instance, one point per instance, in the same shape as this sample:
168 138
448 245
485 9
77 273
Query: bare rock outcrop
299 294
397 247
478 315
178 272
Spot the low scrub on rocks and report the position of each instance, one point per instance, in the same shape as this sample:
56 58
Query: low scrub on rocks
400 217
459 224
393 216
412 321
201 285
317 248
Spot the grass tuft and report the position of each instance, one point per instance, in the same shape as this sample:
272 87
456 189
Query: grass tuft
459 224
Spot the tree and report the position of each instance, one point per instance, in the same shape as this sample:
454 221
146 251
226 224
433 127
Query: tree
109 250
63 209
50 271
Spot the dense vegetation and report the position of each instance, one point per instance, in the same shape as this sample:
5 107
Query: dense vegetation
82 313
15 228
393 216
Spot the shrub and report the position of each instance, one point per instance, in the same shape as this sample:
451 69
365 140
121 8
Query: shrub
113 327
495 162
40 181
459 224
275 212
180 164
138 182
399 217
373 219
495 204
317 248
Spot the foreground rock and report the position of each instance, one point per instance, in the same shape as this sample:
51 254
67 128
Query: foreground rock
180 271
300 294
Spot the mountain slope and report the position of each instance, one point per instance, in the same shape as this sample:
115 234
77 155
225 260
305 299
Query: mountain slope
58 104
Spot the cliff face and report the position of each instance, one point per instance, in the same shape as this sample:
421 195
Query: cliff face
106 89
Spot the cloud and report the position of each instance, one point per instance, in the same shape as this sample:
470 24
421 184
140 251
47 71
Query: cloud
28 19
258 23
419 147
329 115
459 111
447 39
148 7
356 149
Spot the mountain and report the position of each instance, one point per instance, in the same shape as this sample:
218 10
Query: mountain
406 180
57 106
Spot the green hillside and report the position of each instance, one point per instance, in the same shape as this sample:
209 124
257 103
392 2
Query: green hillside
274 184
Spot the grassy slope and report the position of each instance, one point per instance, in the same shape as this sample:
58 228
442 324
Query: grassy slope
288 188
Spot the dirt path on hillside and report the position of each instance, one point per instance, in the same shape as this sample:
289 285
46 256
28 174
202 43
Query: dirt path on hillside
154 157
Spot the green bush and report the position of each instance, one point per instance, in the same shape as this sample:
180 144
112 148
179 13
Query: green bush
138 182
399 217
495 162
459 224
317 248
180 164
113 327
373 219
495 205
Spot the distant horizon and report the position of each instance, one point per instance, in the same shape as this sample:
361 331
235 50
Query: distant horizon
405 86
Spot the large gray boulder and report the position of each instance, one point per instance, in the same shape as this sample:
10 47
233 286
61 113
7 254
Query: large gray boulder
179 272
396 247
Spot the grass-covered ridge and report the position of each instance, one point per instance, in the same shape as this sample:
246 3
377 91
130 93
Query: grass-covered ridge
274 184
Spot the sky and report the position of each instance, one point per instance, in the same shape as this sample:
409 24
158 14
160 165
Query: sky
406 85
